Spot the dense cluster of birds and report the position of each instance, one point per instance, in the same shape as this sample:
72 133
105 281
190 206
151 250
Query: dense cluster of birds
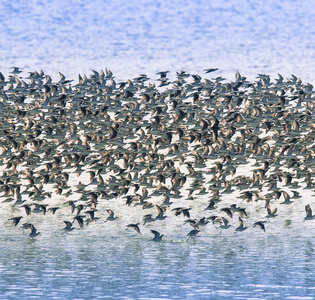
134 142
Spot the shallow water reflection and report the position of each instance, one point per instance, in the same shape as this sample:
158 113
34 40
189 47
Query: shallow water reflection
135 268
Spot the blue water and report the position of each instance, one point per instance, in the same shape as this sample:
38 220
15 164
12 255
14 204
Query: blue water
132 37
148 36
215 266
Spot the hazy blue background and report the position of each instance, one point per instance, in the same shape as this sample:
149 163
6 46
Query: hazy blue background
137 36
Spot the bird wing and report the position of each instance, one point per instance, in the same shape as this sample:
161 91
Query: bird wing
186 212
91 214
242 212
159 209
260 224
308 210
79 220
225 221
156 233
268 210
136 228
227 211
110 212
286 196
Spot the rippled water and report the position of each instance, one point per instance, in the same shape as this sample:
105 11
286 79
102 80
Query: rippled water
95 266
104 260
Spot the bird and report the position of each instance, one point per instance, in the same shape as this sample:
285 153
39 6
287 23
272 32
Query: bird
111 216
227 211
210 70
79 219
202 222
147 218
211 205
72 205
15 220
53 209
223 223
296 195
271 213
192 234
134 226
68 226
79 208
16 70
260 224
240 225
192 223
182 210
27 209
157 235
286 198
241 211
309 215
162 74
160 215
91 214
33 229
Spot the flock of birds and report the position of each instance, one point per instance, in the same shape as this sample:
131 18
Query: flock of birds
72 150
